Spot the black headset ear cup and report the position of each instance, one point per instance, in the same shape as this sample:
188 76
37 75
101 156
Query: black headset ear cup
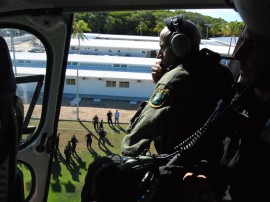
180 44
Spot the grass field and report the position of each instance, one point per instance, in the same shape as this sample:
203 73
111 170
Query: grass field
67 181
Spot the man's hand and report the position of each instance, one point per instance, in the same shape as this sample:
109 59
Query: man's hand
157 71
196 188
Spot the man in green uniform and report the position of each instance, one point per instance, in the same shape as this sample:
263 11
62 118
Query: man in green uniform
189 84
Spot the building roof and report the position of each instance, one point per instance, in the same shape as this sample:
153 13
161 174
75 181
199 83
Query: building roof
104 59
30 71
226 40
223 50
89 73
116 44
110 74
121 37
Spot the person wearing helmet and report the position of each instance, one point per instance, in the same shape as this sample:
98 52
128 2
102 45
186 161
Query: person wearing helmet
243 175
189 82
250 177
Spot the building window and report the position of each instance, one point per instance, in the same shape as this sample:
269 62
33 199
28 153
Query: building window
74 48
118 51
110 50
70 82
96 49
110 83
123 84
124 65
143 52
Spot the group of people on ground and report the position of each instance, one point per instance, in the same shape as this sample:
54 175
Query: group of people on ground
70 148
99 124
72 143
229 160
88 137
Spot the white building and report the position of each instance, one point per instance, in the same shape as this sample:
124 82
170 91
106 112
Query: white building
99 76
109 66
116 45
138 46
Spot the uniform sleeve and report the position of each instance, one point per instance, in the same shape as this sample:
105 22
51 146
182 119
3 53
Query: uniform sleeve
153 120
145 128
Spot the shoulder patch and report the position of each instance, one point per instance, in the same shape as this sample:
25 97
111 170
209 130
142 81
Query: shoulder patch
159 96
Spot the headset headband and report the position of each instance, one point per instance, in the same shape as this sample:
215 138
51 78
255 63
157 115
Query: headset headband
174 23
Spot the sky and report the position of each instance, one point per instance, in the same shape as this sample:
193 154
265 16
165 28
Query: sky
227 14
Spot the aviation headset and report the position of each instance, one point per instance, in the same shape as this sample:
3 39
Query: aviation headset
180 43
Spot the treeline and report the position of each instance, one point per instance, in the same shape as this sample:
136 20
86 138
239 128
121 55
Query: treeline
150 23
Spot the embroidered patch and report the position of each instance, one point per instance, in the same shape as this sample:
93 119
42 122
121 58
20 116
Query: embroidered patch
159 96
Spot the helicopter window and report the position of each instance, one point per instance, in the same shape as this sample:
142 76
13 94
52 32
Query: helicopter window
29 63
94 64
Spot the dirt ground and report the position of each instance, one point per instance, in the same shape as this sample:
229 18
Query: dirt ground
89 108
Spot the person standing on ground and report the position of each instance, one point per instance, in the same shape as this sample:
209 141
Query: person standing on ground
102 133
74 142
95 122
116 117
109 117
88 138
67 153
101 124
69 146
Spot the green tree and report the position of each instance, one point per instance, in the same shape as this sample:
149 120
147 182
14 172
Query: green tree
214 29
109 24
78 31
232 29
122 24
159 26
126 22
79 28
141 27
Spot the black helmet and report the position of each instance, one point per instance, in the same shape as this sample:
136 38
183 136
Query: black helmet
256 15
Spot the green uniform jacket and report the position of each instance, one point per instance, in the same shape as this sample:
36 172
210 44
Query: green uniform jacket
180 104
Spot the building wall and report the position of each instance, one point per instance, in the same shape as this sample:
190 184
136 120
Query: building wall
94 87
